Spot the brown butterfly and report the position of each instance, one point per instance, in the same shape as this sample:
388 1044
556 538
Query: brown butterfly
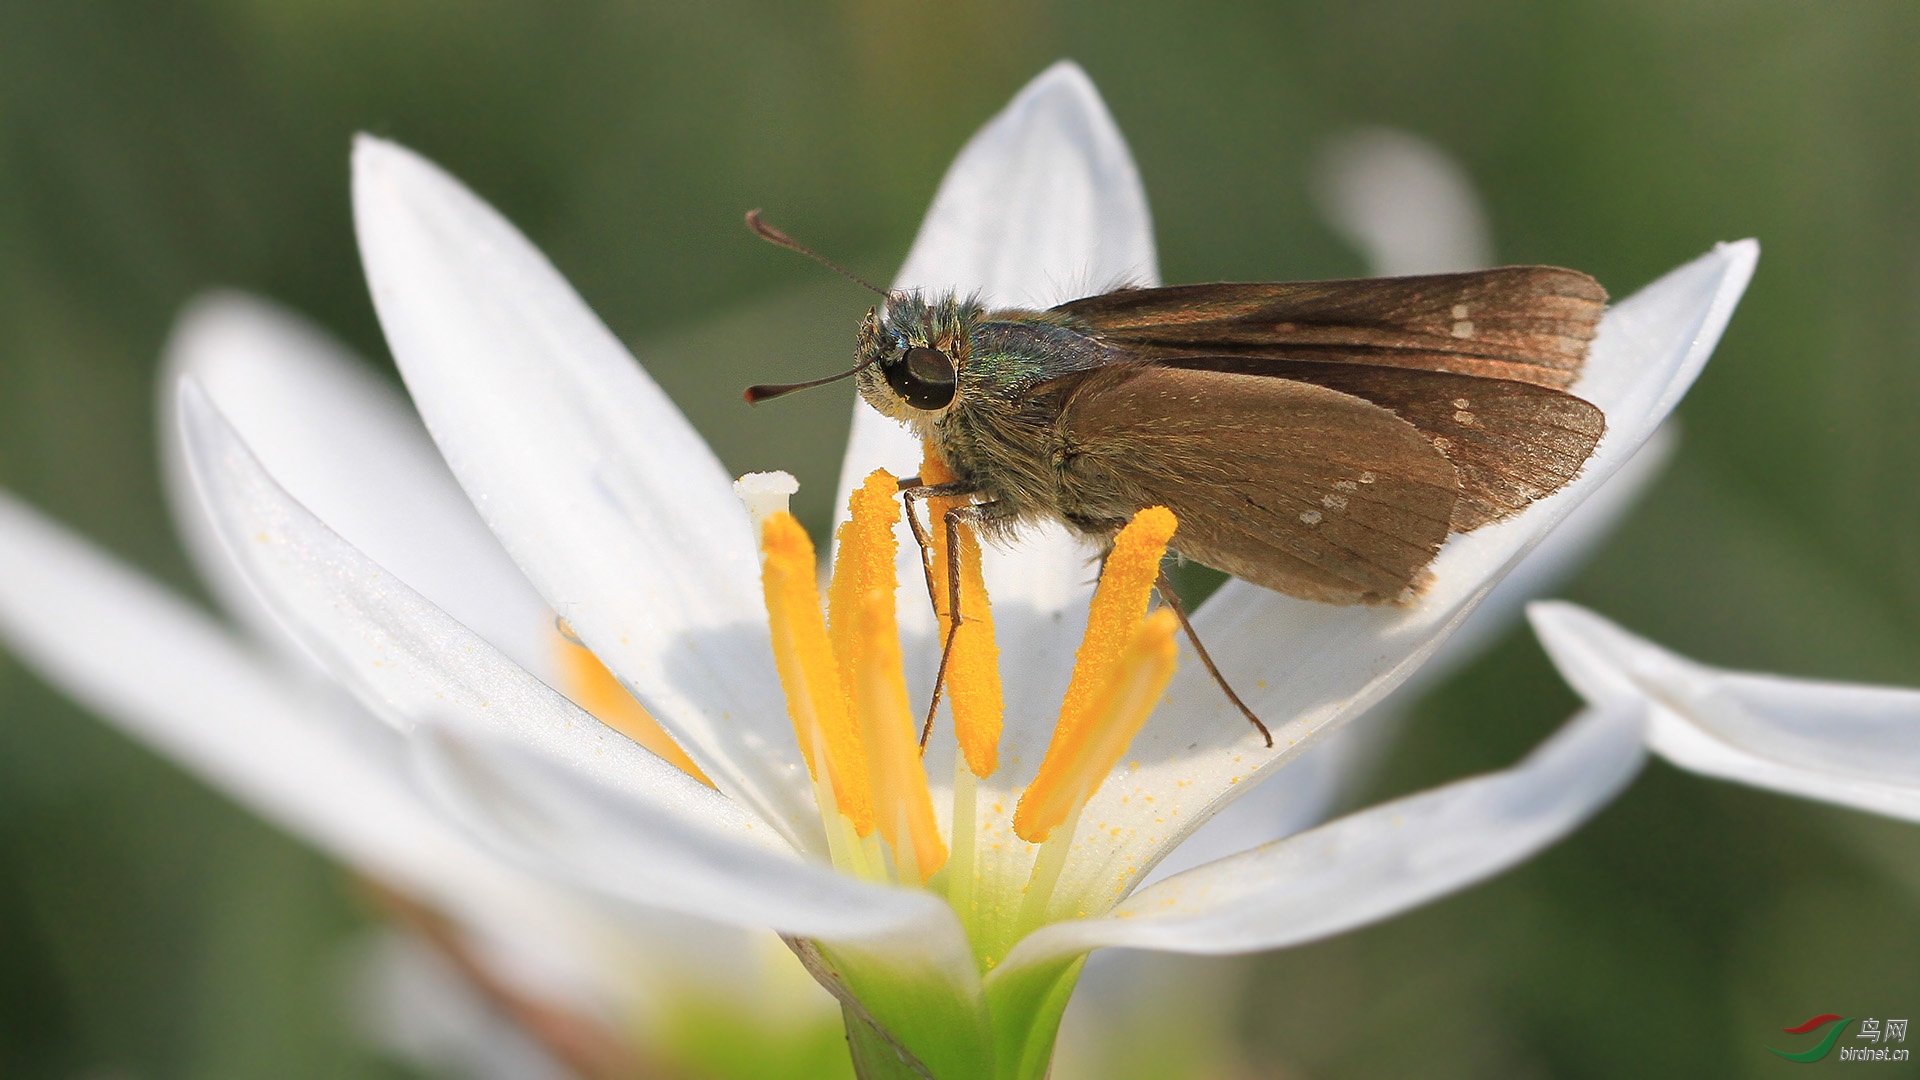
1320 439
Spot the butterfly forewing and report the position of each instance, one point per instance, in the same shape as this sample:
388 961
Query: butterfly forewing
1299 488
1525 323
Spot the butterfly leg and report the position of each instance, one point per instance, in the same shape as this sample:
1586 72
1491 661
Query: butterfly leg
1172 599
911 489
953 519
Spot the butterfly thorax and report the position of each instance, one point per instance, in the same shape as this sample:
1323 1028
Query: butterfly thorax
999 432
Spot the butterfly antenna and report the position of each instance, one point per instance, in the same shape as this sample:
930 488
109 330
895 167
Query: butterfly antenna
774 236
767 391
760 392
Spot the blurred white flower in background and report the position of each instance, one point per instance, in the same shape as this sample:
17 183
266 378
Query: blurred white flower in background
1403 202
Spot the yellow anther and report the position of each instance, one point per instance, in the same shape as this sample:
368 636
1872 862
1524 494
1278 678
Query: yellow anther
1118 663
973 670
593 688
866 641
816 699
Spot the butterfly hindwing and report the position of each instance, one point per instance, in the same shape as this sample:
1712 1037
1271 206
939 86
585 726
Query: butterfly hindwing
1296 487
1511 442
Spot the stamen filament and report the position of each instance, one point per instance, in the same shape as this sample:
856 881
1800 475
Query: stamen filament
973 670
1118 661
862 625
1046 871
960 868
844 845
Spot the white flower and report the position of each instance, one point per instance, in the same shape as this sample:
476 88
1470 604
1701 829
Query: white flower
627 526
1844 743
252 715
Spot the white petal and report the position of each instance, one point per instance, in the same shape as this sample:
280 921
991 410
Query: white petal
1596 657
348 446
167 675
614 841
1297 797
1042 205
1844 743
597 486
1305 667
404 658
1372 865
1407 205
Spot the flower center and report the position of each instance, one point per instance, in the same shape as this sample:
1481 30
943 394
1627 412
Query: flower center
846 689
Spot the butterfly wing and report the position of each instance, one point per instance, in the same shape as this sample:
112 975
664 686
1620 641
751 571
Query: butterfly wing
1522 323
1511 442
1299 488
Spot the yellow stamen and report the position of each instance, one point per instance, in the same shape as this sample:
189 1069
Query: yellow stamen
866 641
1113 718
973 670
593 688
1119 671
816 700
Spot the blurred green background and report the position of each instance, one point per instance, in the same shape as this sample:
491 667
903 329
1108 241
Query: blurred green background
149 150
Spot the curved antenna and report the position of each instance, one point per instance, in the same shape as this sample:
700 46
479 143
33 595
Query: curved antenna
760 392
774 236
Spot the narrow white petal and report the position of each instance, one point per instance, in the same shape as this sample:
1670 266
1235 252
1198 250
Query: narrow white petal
615 841
1844 743
594 482
404 658
347 445
1043 205
1596 657
167 675
1306 667
1403 202
1371 865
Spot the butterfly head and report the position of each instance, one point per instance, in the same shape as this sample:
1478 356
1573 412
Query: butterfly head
912 353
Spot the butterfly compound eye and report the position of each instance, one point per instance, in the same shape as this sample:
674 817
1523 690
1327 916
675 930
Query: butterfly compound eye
923 378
